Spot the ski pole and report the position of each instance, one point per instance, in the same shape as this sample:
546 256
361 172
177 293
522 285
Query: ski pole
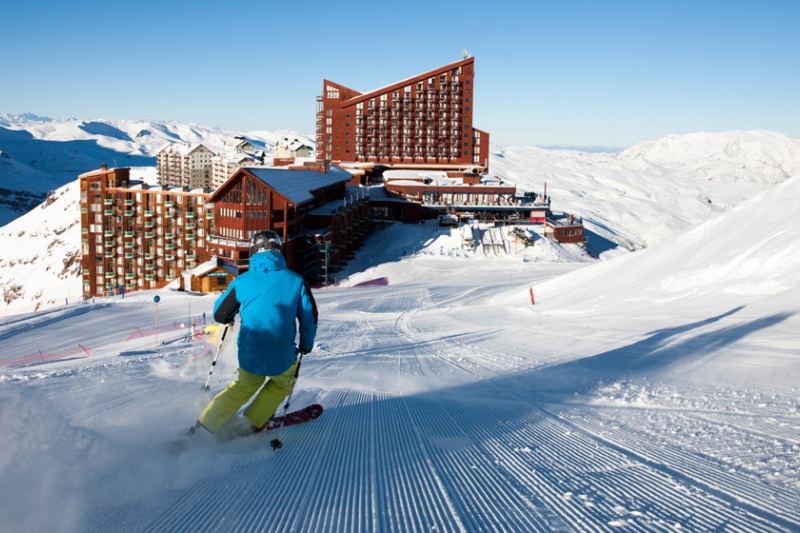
277 443
214 362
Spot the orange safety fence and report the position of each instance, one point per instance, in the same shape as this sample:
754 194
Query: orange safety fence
40 357
82 351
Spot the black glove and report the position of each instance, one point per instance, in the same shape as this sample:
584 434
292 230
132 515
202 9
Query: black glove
303 350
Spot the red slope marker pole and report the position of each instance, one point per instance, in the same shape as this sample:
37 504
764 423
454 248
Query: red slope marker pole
533 302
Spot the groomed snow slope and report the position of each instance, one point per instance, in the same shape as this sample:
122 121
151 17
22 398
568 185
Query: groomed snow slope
451 404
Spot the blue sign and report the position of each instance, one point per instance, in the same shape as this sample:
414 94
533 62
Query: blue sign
156 298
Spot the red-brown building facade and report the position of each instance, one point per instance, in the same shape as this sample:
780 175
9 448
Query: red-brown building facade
135 236
321 219
422 122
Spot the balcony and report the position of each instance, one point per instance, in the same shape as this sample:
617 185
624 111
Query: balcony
109 244
149 277
128 203
169 246
130 234
108 212
128 212
149 224
149 266
108 201
190 236
190 225
169 235
189 214
169 205
129 245
148 213
110 275
148 234
169 257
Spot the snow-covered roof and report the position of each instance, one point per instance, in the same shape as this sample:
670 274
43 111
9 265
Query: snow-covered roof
91 172
204 268
182 148
406 183
298 185
293 144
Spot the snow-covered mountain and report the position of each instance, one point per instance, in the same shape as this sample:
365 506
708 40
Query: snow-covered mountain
655 190
39 154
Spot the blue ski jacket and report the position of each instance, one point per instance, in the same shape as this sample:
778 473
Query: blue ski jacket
271 300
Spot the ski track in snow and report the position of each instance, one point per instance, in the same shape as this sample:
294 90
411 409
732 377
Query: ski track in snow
421 432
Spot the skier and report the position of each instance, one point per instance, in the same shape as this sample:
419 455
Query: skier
271 299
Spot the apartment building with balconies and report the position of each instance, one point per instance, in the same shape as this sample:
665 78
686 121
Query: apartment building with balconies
134 236
184 165
422 122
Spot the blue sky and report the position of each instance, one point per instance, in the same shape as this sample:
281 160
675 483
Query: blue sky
581 73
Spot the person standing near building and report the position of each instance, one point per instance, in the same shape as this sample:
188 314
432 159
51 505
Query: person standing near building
274 303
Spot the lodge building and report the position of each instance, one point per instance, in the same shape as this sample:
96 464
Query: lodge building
422 122
136 236
321 218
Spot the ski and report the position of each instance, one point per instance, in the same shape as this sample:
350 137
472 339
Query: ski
295 417
300 416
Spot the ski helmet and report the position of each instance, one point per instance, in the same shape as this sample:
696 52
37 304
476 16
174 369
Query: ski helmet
265 240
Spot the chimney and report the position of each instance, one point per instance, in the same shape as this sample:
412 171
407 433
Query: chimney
103 167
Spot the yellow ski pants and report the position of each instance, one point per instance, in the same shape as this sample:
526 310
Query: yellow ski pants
226 404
